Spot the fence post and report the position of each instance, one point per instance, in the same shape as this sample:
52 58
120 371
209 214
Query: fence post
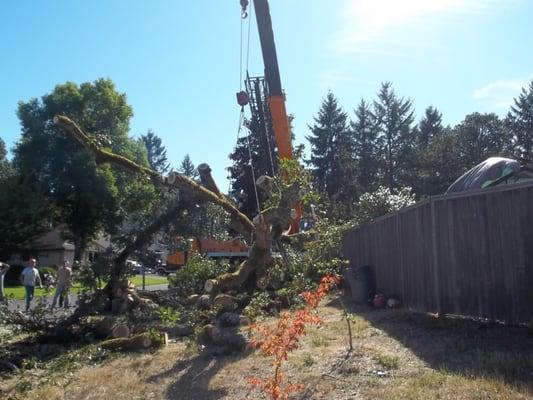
435 260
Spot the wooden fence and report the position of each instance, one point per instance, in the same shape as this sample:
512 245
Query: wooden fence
468 254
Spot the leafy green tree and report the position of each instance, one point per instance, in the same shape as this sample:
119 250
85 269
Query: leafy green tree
332 163
440 164
156 152
187 168
24 214
394 119
366 147
520 120
89 198
481 136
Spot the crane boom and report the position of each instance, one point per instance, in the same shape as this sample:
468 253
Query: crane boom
280 120
276 99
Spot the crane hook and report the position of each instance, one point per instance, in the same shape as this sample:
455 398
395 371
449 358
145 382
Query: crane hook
244 5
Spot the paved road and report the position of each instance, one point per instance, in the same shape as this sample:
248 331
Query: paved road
20 305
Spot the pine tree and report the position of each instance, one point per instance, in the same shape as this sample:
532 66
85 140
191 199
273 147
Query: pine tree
429 130
157 154
520 120
366 147
429 127
394 118
331 161
187 168
264 162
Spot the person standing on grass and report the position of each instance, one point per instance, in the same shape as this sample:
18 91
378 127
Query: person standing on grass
3 271
29 277
64 277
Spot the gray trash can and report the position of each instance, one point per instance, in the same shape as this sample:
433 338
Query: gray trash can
360 282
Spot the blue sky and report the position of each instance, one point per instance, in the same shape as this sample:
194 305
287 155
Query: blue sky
178 61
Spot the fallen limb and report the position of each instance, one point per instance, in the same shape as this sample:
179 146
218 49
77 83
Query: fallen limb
137 342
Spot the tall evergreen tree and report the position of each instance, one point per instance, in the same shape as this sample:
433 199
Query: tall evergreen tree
157 154
366 147
428 131
394 118
429 127
331 161
187 168
520 120
260 143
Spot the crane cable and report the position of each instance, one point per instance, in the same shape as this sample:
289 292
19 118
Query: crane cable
244 15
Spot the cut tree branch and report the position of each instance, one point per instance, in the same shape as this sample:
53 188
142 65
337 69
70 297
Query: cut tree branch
200 194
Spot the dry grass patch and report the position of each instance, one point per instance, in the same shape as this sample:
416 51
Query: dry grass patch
396 355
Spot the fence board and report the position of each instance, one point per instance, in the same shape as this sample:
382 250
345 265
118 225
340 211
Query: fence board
469 254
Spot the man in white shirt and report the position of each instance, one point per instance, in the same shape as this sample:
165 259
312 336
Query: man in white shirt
29 276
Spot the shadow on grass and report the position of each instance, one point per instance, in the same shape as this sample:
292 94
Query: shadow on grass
193 376
460 346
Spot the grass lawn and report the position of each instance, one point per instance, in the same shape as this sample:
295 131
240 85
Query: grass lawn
17 292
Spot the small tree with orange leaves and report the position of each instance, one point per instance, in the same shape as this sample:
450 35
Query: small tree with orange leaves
284 336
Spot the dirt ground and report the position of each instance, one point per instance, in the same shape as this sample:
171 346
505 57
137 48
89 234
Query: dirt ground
396 355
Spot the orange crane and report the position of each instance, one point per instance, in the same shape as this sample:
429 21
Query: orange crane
276 97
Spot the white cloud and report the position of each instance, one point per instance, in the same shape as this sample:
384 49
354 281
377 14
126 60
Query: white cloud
499 93
373 26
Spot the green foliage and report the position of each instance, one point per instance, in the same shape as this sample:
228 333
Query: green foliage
480 136
389 362
168 315
187 168
6 169
156 152
190 278
520 121
291 171
157 337
92 275
89 198
259 303
24 214
331 160
258 141
366 147
394 121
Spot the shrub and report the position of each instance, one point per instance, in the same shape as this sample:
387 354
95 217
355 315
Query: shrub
190 279
381 202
